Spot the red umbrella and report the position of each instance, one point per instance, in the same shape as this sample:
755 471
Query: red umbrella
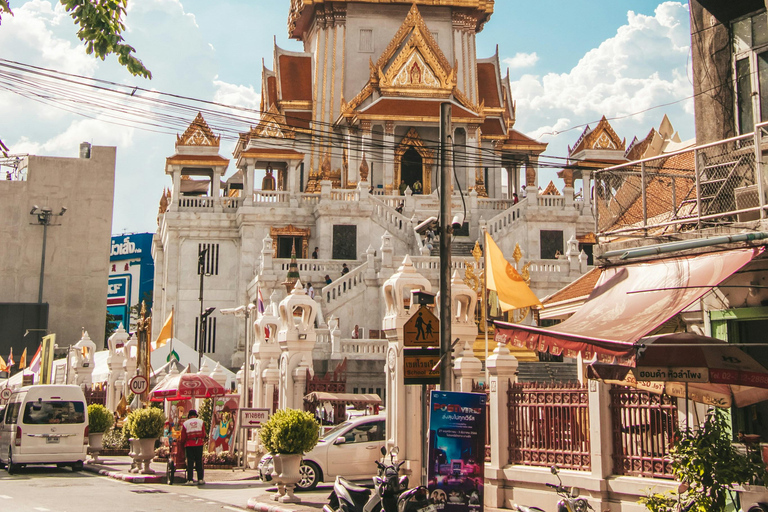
685 364
187 385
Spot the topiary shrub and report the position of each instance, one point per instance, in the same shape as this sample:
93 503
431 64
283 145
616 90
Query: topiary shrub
99 419
290 431
145 423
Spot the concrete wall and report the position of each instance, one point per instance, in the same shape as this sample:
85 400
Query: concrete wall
77 252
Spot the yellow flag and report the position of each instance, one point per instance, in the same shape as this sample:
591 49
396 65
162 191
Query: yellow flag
23 360
502 277
3 366
166 332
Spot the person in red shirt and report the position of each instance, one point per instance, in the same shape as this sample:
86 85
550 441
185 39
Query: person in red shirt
192 439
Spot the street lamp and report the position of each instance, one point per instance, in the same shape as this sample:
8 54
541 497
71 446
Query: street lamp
203 331
44 218
203 313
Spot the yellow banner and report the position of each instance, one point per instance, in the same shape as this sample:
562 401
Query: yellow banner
46 358
505 280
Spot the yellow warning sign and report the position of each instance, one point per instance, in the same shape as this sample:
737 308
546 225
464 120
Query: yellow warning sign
422 330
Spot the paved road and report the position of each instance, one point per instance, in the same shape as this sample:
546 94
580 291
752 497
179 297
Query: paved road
48 489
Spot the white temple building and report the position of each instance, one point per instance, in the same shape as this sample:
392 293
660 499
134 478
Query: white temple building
348 146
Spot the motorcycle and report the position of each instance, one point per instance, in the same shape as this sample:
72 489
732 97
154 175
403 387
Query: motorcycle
388 486
570 501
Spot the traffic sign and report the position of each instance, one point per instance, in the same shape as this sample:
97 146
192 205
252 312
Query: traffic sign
418 364
138 384
422 329
253 418
6 393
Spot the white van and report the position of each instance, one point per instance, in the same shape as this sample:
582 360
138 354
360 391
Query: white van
44 424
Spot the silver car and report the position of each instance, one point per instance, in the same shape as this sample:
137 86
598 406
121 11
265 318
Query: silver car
348 450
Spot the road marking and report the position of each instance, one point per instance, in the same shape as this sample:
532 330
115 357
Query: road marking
42 509
199 499
227 507
5 497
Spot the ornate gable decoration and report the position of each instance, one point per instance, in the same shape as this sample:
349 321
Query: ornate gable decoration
602 137
413 64
273 125
198 134
551 190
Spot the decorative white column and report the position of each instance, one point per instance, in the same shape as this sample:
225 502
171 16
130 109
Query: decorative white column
216 190
296 338
83 360
129 364
248 176
265 352
176 192
115 360
403 403
502 367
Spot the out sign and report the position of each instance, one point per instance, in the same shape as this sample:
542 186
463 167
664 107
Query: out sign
138 384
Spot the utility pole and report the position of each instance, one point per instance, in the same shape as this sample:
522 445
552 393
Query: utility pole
445 248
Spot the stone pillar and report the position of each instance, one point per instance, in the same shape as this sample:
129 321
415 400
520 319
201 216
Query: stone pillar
265 352
572 254
216 190
467 369
129 364
586 191
389 156
84 351
387 250
403 403
299 375
115 360
176 192
248 177
271 378
502 367
296 338
267 252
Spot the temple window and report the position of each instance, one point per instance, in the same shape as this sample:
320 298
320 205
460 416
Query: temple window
366 40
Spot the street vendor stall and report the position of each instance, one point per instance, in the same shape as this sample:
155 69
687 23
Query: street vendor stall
181 389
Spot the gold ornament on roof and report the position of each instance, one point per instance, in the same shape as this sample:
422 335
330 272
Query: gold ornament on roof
198 133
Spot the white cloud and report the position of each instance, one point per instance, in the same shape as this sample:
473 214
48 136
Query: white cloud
522 60
644 65
66 143
236 95
40 33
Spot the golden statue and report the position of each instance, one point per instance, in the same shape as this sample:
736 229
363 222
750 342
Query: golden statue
268 183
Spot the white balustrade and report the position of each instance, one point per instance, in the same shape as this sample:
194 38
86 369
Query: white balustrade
231 203
345 195
370 349
197 202
504 220
344 285
486 203
551 201
270 197
308 199
390 220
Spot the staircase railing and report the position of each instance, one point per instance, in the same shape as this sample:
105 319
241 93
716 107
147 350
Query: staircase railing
339 289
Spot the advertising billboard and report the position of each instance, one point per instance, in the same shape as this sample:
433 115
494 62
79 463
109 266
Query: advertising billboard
456 450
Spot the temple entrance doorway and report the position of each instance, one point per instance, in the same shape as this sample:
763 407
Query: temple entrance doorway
412 169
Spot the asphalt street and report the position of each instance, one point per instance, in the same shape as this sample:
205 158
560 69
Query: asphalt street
48 489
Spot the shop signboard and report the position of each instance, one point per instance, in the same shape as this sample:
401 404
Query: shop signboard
456 450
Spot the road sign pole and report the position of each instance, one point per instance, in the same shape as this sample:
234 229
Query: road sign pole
445 247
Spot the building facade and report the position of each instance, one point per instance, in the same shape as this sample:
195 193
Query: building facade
77 196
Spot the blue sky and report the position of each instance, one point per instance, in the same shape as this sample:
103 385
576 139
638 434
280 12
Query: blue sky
570 63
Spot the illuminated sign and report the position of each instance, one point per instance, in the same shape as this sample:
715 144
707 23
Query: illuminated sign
118 290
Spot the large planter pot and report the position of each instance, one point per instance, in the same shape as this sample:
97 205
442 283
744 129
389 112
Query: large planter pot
147 453
95 445
287 475
135 454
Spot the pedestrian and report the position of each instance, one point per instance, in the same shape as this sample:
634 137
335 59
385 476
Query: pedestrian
314 254
417 187
515 198
344 269
328 279
310 291
524 192
400 207
193 438
402 187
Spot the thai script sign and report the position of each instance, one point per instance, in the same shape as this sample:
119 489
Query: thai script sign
665 374
418 364
456 450
253 418
123 247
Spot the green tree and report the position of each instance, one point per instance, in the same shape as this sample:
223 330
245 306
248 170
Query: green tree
111 323
100 28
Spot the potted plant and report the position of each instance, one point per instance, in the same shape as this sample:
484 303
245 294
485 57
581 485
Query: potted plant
287 435
100 420
146 426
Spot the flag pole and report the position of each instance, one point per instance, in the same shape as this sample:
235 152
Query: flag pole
173 331
485 301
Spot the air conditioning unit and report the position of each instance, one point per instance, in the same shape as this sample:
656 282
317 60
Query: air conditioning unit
747 197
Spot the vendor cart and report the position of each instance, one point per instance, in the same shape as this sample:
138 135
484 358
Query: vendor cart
176 387
177 460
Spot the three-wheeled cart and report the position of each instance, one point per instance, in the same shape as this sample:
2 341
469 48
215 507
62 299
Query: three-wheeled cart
177 460
176 387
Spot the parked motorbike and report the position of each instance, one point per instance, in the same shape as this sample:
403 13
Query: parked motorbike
570 501
388 486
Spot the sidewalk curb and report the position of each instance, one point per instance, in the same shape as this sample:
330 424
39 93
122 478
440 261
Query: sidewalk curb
125 477
260 506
